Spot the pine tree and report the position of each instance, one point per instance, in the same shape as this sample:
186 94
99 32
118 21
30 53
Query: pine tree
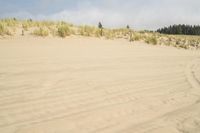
100 25
181 29
101 28
128 27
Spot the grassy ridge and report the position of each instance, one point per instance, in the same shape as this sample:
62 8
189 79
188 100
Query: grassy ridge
63 29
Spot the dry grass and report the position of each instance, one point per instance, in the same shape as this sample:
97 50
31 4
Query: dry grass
151 40
88 31
4 30
41 32
63 29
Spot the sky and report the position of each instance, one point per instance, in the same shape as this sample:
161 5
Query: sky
138 14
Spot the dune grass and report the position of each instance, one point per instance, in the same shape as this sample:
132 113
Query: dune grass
4 30
136 36
41 32
10 22
63 29
88 31
151 40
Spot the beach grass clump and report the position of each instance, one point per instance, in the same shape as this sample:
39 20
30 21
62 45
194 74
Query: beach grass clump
109 34
10 22
88 31
41 32
47 23
98 33
4 30
151 40
25 26
135 37
121 33
183 46
64 23
52 31
63 30
178 41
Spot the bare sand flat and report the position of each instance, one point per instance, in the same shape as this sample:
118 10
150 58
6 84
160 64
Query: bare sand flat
88 85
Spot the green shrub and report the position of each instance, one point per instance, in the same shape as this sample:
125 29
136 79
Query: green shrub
63 31
41 32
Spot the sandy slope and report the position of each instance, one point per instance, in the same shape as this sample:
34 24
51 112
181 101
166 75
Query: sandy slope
88 85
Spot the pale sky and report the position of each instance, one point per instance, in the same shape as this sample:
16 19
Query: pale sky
139 14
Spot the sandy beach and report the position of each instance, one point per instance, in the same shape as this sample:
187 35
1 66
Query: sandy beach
92 85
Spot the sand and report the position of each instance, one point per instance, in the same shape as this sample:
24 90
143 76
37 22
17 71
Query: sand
91 85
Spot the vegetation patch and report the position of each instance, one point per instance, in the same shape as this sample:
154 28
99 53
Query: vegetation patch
63 31
4 30
88 31
151 40
181 29
41 32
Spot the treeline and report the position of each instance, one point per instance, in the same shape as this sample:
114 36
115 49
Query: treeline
181 29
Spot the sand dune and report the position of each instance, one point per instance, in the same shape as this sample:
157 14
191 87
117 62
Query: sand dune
90 85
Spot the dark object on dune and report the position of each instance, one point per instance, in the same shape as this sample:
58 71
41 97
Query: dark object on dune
101 28
128 27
